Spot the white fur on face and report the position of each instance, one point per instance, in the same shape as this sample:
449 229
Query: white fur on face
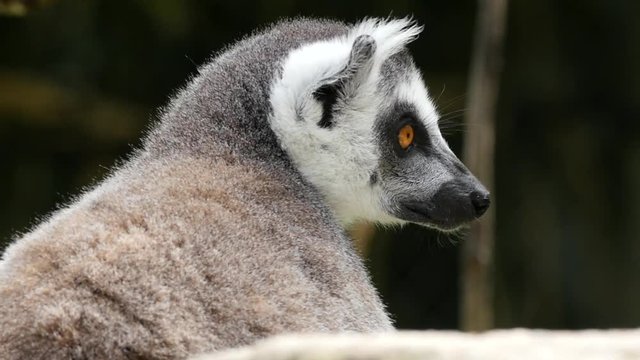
340 160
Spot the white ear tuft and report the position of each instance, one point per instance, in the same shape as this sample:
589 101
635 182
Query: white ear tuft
390 35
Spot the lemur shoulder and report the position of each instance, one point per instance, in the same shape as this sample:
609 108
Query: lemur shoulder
227 226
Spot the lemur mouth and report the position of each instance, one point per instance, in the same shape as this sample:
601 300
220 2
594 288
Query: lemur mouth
419 213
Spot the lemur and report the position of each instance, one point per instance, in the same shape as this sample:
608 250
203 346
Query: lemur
227 224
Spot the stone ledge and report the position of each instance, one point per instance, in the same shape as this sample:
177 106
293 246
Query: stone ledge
521 344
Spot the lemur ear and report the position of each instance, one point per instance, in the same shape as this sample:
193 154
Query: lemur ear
346 80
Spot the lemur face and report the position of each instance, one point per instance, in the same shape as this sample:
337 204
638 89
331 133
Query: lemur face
356 119
421 180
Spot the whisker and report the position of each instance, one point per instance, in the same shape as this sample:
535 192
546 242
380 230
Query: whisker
454 112
453 117
444 87
451 102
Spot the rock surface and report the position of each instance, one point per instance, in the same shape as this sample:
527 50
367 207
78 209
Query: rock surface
521 344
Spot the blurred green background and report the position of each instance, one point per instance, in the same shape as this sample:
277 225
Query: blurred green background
80 80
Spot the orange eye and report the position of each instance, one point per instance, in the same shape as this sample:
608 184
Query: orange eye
405 136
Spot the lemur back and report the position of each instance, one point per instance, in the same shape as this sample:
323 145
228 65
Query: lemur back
207 239
228 224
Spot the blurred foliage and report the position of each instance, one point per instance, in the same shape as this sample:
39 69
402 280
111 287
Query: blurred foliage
80 80
20 7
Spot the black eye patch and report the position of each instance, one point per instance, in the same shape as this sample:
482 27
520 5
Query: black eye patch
388 125
421 140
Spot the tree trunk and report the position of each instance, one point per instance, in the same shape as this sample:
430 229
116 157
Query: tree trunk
477 253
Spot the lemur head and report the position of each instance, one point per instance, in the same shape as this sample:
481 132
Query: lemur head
355 117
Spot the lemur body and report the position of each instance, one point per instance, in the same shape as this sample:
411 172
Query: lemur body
227 226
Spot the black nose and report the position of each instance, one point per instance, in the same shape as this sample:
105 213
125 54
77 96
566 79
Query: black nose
480 201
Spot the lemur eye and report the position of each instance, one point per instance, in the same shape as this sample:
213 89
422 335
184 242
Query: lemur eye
405 136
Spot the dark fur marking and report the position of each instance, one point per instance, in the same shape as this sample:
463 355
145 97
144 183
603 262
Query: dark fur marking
373 179
327 94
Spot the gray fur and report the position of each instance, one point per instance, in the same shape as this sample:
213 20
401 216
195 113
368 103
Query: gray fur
208 238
